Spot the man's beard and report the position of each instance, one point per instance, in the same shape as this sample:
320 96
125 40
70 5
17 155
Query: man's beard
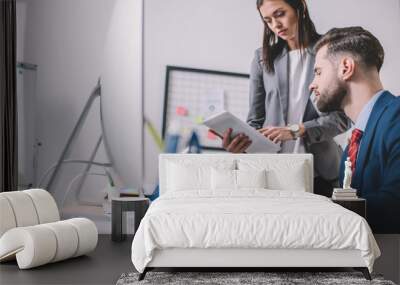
332 99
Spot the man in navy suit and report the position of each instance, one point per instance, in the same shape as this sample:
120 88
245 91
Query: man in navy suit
347 66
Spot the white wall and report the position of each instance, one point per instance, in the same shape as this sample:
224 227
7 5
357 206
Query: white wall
122 88
65 39
382 18
208 34
223 35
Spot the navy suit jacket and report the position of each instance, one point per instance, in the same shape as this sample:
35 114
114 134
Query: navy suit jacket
377 174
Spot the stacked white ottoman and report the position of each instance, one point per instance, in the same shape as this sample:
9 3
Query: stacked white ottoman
31 230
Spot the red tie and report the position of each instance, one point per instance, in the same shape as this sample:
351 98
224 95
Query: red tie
353 147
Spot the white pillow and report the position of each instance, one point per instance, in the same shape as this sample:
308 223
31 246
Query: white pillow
237 179
251 178
193 175
223 179
282 174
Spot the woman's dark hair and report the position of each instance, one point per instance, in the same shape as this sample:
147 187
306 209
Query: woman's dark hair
273 45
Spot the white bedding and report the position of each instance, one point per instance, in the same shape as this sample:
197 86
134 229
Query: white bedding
250 218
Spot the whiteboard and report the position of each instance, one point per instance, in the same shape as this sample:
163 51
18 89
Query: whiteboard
192 95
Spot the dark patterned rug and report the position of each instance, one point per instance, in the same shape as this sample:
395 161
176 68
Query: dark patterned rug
243 278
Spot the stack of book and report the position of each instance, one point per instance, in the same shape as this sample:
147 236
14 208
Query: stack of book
344 194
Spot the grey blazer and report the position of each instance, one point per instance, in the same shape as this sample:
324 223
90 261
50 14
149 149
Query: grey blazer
269 107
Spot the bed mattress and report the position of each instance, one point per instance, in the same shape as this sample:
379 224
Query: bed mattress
250 219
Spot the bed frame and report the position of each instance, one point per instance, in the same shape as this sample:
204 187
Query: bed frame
242 259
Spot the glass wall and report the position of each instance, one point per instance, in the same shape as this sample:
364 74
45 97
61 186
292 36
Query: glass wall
28 145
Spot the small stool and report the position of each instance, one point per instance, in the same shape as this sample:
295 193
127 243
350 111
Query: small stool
123 204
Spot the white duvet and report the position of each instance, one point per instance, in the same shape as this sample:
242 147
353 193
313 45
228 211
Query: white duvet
250 219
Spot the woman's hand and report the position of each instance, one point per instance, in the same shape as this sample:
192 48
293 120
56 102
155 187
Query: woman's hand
238 144
277 134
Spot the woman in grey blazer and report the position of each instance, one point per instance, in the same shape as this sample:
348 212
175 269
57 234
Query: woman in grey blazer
281 105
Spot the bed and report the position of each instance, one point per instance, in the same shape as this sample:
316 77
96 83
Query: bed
246 211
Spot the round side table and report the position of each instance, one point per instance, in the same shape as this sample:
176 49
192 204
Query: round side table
139 205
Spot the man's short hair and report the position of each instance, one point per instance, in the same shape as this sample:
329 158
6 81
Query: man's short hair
363 45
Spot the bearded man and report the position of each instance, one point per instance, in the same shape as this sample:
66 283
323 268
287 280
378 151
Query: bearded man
346 77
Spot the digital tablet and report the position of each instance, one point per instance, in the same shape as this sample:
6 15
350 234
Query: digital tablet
222 121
